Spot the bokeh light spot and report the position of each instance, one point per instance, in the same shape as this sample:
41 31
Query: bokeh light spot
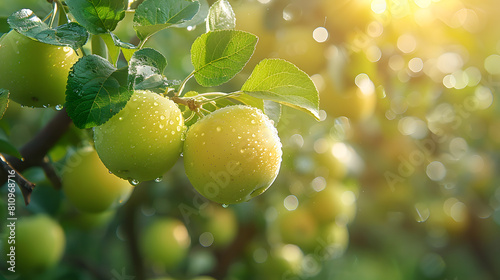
320 34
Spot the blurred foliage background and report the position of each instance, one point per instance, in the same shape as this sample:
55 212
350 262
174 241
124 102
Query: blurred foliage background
397 181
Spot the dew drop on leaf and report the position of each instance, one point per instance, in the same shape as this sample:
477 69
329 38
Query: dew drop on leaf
157 180
59 107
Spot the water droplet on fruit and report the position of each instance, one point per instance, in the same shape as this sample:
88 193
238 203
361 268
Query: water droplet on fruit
162 117
134 182
156 103
218 129
161 125
225 205
109 171
157 180
120 119
59 107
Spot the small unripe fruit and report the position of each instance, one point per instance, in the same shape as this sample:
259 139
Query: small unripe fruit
165 242
89 186
39 243
142 141
35 73
232 154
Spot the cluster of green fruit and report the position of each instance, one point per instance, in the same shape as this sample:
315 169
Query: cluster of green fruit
145 139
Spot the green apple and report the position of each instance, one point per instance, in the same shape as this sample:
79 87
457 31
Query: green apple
298 227
88 185
143 140
39 243
35 73
232 154
165 242
221 223
334 203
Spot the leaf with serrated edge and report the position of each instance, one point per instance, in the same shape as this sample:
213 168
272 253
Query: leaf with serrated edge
217 56
144 64
96 91
152 16
98 16
281 81
221 16
27 23
198 18
4 101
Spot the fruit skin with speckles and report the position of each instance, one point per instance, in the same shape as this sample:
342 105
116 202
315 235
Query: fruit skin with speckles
232 154
142 141
35 73
93 194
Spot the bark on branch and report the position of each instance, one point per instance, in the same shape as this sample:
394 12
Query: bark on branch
34 153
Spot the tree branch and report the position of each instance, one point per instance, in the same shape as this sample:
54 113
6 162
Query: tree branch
34 152
25 186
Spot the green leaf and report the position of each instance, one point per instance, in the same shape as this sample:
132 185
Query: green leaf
113 49
198 18
4 25
145 69
27 23
218 56
96 91
272 110
154 15
98 16
8 148
127 49
4 101
221 16
281 81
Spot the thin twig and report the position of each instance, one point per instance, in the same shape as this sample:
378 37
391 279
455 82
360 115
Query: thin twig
35 150
25 186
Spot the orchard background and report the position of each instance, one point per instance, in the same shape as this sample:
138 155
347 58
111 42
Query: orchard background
397 180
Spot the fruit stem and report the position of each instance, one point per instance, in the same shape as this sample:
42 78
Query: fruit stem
98 46
183 84
55 8
218 95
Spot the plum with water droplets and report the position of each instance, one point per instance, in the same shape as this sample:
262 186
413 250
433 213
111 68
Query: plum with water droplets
142 141
232 154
